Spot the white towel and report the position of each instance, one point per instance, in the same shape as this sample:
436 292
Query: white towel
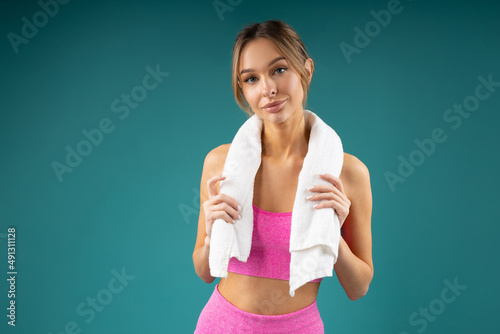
315 233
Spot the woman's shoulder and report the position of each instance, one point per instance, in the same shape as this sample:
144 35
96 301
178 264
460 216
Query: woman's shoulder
354 173
220 151
216 158
214 163
353 168
352 164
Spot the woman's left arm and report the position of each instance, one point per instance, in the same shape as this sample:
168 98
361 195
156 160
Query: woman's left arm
354 266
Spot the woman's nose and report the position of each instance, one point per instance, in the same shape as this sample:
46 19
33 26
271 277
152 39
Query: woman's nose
268 87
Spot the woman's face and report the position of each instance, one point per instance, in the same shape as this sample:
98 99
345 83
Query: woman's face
267 77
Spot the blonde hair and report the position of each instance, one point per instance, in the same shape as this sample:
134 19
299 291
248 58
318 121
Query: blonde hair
289 44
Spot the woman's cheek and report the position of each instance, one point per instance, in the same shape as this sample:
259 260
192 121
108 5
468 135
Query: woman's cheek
253 97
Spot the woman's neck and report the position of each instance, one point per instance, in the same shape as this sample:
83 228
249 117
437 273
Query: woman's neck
287 139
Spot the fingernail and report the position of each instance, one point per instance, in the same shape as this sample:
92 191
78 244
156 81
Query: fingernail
309 197
310 187
239 207
239 217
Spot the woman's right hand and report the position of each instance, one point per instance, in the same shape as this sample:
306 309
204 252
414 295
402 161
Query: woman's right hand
219 206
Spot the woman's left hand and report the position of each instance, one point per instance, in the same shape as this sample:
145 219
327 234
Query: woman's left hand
332 196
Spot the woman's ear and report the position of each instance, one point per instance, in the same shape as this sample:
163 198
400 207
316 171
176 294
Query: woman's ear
309 65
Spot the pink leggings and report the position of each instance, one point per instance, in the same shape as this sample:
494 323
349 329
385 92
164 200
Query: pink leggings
219 316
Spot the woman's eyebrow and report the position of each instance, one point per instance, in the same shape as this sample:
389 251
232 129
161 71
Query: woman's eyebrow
272 62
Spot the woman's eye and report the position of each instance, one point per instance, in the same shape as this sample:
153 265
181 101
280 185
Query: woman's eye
247 79
279 68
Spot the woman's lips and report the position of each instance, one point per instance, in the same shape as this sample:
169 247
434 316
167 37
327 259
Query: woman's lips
276 107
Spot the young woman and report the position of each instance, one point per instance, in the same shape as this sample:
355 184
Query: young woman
271 74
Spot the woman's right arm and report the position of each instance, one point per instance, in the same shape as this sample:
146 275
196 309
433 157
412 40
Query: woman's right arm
212 206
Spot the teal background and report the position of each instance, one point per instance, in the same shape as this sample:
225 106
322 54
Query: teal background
133 202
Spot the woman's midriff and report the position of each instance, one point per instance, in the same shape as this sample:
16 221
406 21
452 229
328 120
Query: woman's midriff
266 296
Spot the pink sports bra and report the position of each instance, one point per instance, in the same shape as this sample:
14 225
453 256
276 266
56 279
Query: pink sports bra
269 255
